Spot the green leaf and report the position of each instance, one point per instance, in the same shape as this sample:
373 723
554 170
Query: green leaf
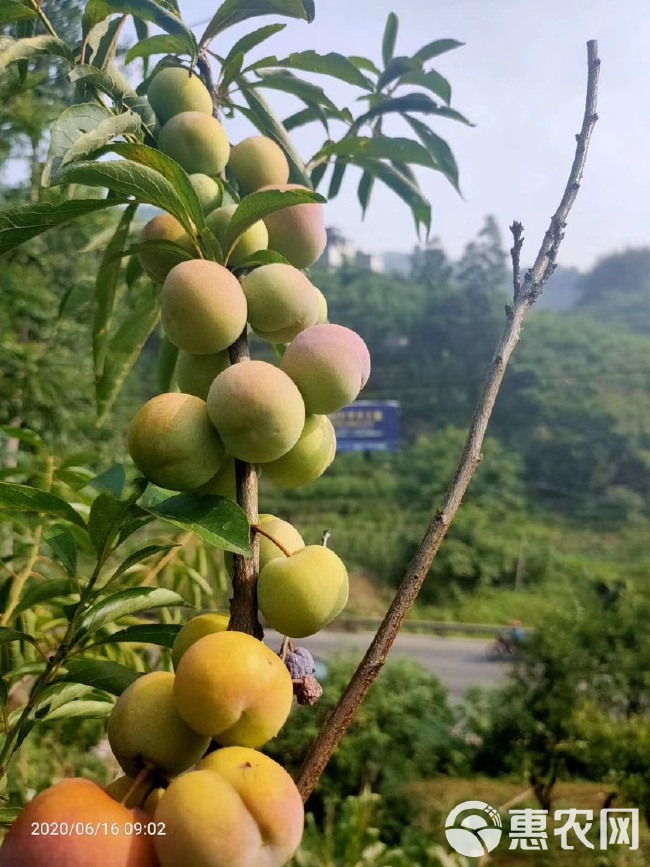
404 188
381 147
101 43
315 113
333 64
438 148
111 82
396 67
289 83
432 80
7 635
106 289
15 10
81 129
126 602
161 634
160 162
12 50
22 222
125 347
418 102
363 63
389 39
252 40
258 205
127 178
47 591
167 358
147 10
214 519
4 692
264 118
107 514
139 556
24 498
100 674
80 710
437 47
63 546
23 434
111 480
234 11
161 43
261 257
364 191
8 815
337 178
134 250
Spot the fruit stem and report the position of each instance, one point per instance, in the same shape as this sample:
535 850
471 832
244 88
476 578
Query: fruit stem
257 529
145 775
327 535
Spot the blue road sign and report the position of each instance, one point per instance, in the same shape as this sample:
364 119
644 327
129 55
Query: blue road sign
368 426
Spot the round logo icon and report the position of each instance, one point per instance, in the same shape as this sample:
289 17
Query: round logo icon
473 829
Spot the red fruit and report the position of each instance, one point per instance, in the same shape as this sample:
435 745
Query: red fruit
76 824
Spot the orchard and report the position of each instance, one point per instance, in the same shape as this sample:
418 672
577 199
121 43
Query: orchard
250 370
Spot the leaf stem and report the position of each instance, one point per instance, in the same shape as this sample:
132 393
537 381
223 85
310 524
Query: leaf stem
36 4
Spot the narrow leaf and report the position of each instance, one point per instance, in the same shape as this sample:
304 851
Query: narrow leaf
289 83
111 480
111 82
438 148
127 178
23 222
125 347
437 47
24 498
234 11
8 635
160 162
381 147
261 257
256 206
15 10
252 40
364 191
106 289
47 591
126 602
100 674
431 80
333 64
337 178
389 39
12 50
161 43
404 188
214 519
80 710
147 10
396 67
161 634
63 546
82 129
139 556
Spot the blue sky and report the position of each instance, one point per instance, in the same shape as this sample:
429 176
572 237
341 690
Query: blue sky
521 79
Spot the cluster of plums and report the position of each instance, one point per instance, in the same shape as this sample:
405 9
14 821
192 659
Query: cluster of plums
183 803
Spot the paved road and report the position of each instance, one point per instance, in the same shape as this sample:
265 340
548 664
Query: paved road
459 662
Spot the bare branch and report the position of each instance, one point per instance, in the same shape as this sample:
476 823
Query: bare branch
341 716
515 253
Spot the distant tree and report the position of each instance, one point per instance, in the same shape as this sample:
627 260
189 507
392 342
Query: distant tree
617 289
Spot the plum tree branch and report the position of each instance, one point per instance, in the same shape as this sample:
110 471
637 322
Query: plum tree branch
338 721
243 605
